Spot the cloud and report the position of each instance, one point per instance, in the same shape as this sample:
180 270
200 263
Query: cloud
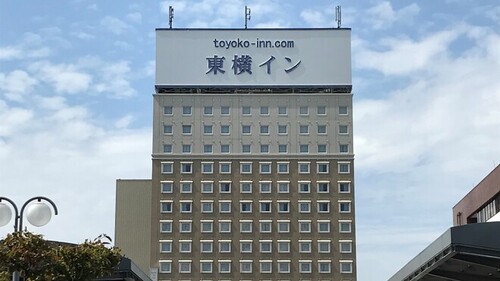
113 79
315 18
135 17
114 25
65 78
9 52
383 15
16 84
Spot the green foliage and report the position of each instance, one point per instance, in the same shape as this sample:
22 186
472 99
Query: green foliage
40 260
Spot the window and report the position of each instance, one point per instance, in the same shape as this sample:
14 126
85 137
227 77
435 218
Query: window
282 148
246 187
264 129
167 148
246 206
304 129
344 206
207 187
168 129
185 226
265 187
206 266
225 266
324 266
165 246
245 226
186 206
167 110
282 110
264 148
345 246
343 129
265 206
207 206
225 187
208 129
166 206
283 206
265 226
283 226
283 246
323 226
224 246
206 246
245 246
304 148
304 187
246 167
224 226
282 129
186 110
167 186
207 167
266 266
224 148
224 206
304 206
323 187
186 148
321 110
344 187
246 129
345 266
283 187
246 148
324 246
305 246
283 266
321 129
343 148
322 167
184 266
304 167
343 110
264 110
321 148
207 226
186 186
323 206
224 129
246 266
167 167
303 110
208 110
344 167
186 129
185 246
345 226
304 226
265 246
165 266
283 167
225 167
208 148
305 266
186 167
265 167
245 110
166 226
224 110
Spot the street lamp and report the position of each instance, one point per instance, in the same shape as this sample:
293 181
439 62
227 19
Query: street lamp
37 213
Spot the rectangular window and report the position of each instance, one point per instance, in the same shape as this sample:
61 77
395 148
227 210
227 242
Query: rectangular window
184 266
345 226
283 246
185 226
283 187
246 167
283 266
324 266
323 226
304 148
344 206
304 226
246 206
283 206
323 206
208 110
224 246
344 187
343 129
246 187
343 148
186 110
265 187
167 186
265 226
166 206
225 206
343 110
206 246
186 148
283 226
321 110
225 187
305 266
345 246
324 246
165 266
207 206
186 129
304 129
304 187
224 226
225 266
207 167
186 187
345 266
304 206
165 246
321 148
206 266
282 110
265 246
207 226
344 167
266 266
322 167
186 206
245 110
245 246
167 148
283 167
208 130
264 110
245 226
166 226
168 129
185 246
305 246
224 110
207 187
186 167
224 148
265 167
282 129
323 187
225 167
265 206
321 129
264 129
246 148
167 110
246 129
282 148
208 148
246 266
224 129
303 110
264 148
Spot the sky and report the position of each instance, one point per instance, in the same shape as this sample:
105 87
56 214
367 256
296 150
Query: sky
77 78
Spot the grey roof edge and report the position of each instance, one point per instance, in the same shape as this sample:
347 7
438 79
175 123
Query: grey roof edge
479 236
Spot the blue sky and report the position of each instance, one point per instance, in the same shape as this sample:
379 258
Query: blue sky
76 85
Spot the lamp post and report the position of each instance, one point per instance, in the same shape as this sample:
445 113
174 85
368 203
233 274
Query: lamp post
37 213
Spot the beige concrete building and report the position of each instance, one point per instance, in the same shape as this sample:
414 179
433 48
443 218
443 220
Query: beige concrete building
250 180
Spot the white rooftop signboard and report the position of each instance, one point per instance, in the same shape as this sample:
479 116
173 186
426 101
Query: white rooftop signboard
253 57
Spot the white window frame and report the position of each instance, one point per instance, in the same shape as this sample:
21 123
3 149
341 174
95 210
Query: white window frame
209 203
223 224
170 148
224 112
184 165
187 222
343 129
163 185
244 148
206 262
305 242
266 242
304 164
321 145
264 164
168 129
324 262
280 112
224 184
246 129
188 243
210 165
225 242
282 132
268 203
324 242
264 111
223 164
224 263
264 148
303 151
228 202
341 267
283 164
161 268
280 262
246 202
207 112
208 148
242 184
170 203
324 222
186 148
286 223
345 222
187 130
267 262
349 204
304 129
204 184
341 164
345 242
223 150
319 183
281 203
283 242
308 262
186 262
307 203
264 129
321 112
264 183
303 183
166 222
166 242
187 110
320 211
190 202
223 131
303 110
168 110
282 145
183 184
319 166
342 146
246 110
246 242
341 110
245 164
206 242
206 222
304 222
208 130
322 129
242 266
246 222
167 164
284 183
265 222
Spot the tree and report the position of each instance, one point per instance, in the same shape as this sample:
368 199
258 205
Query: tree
39 260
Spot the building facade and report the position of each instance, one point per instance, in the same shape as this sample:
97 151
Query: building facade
253 164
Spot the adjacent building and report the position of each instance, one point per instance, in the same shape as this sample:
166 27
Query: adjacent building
253 164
